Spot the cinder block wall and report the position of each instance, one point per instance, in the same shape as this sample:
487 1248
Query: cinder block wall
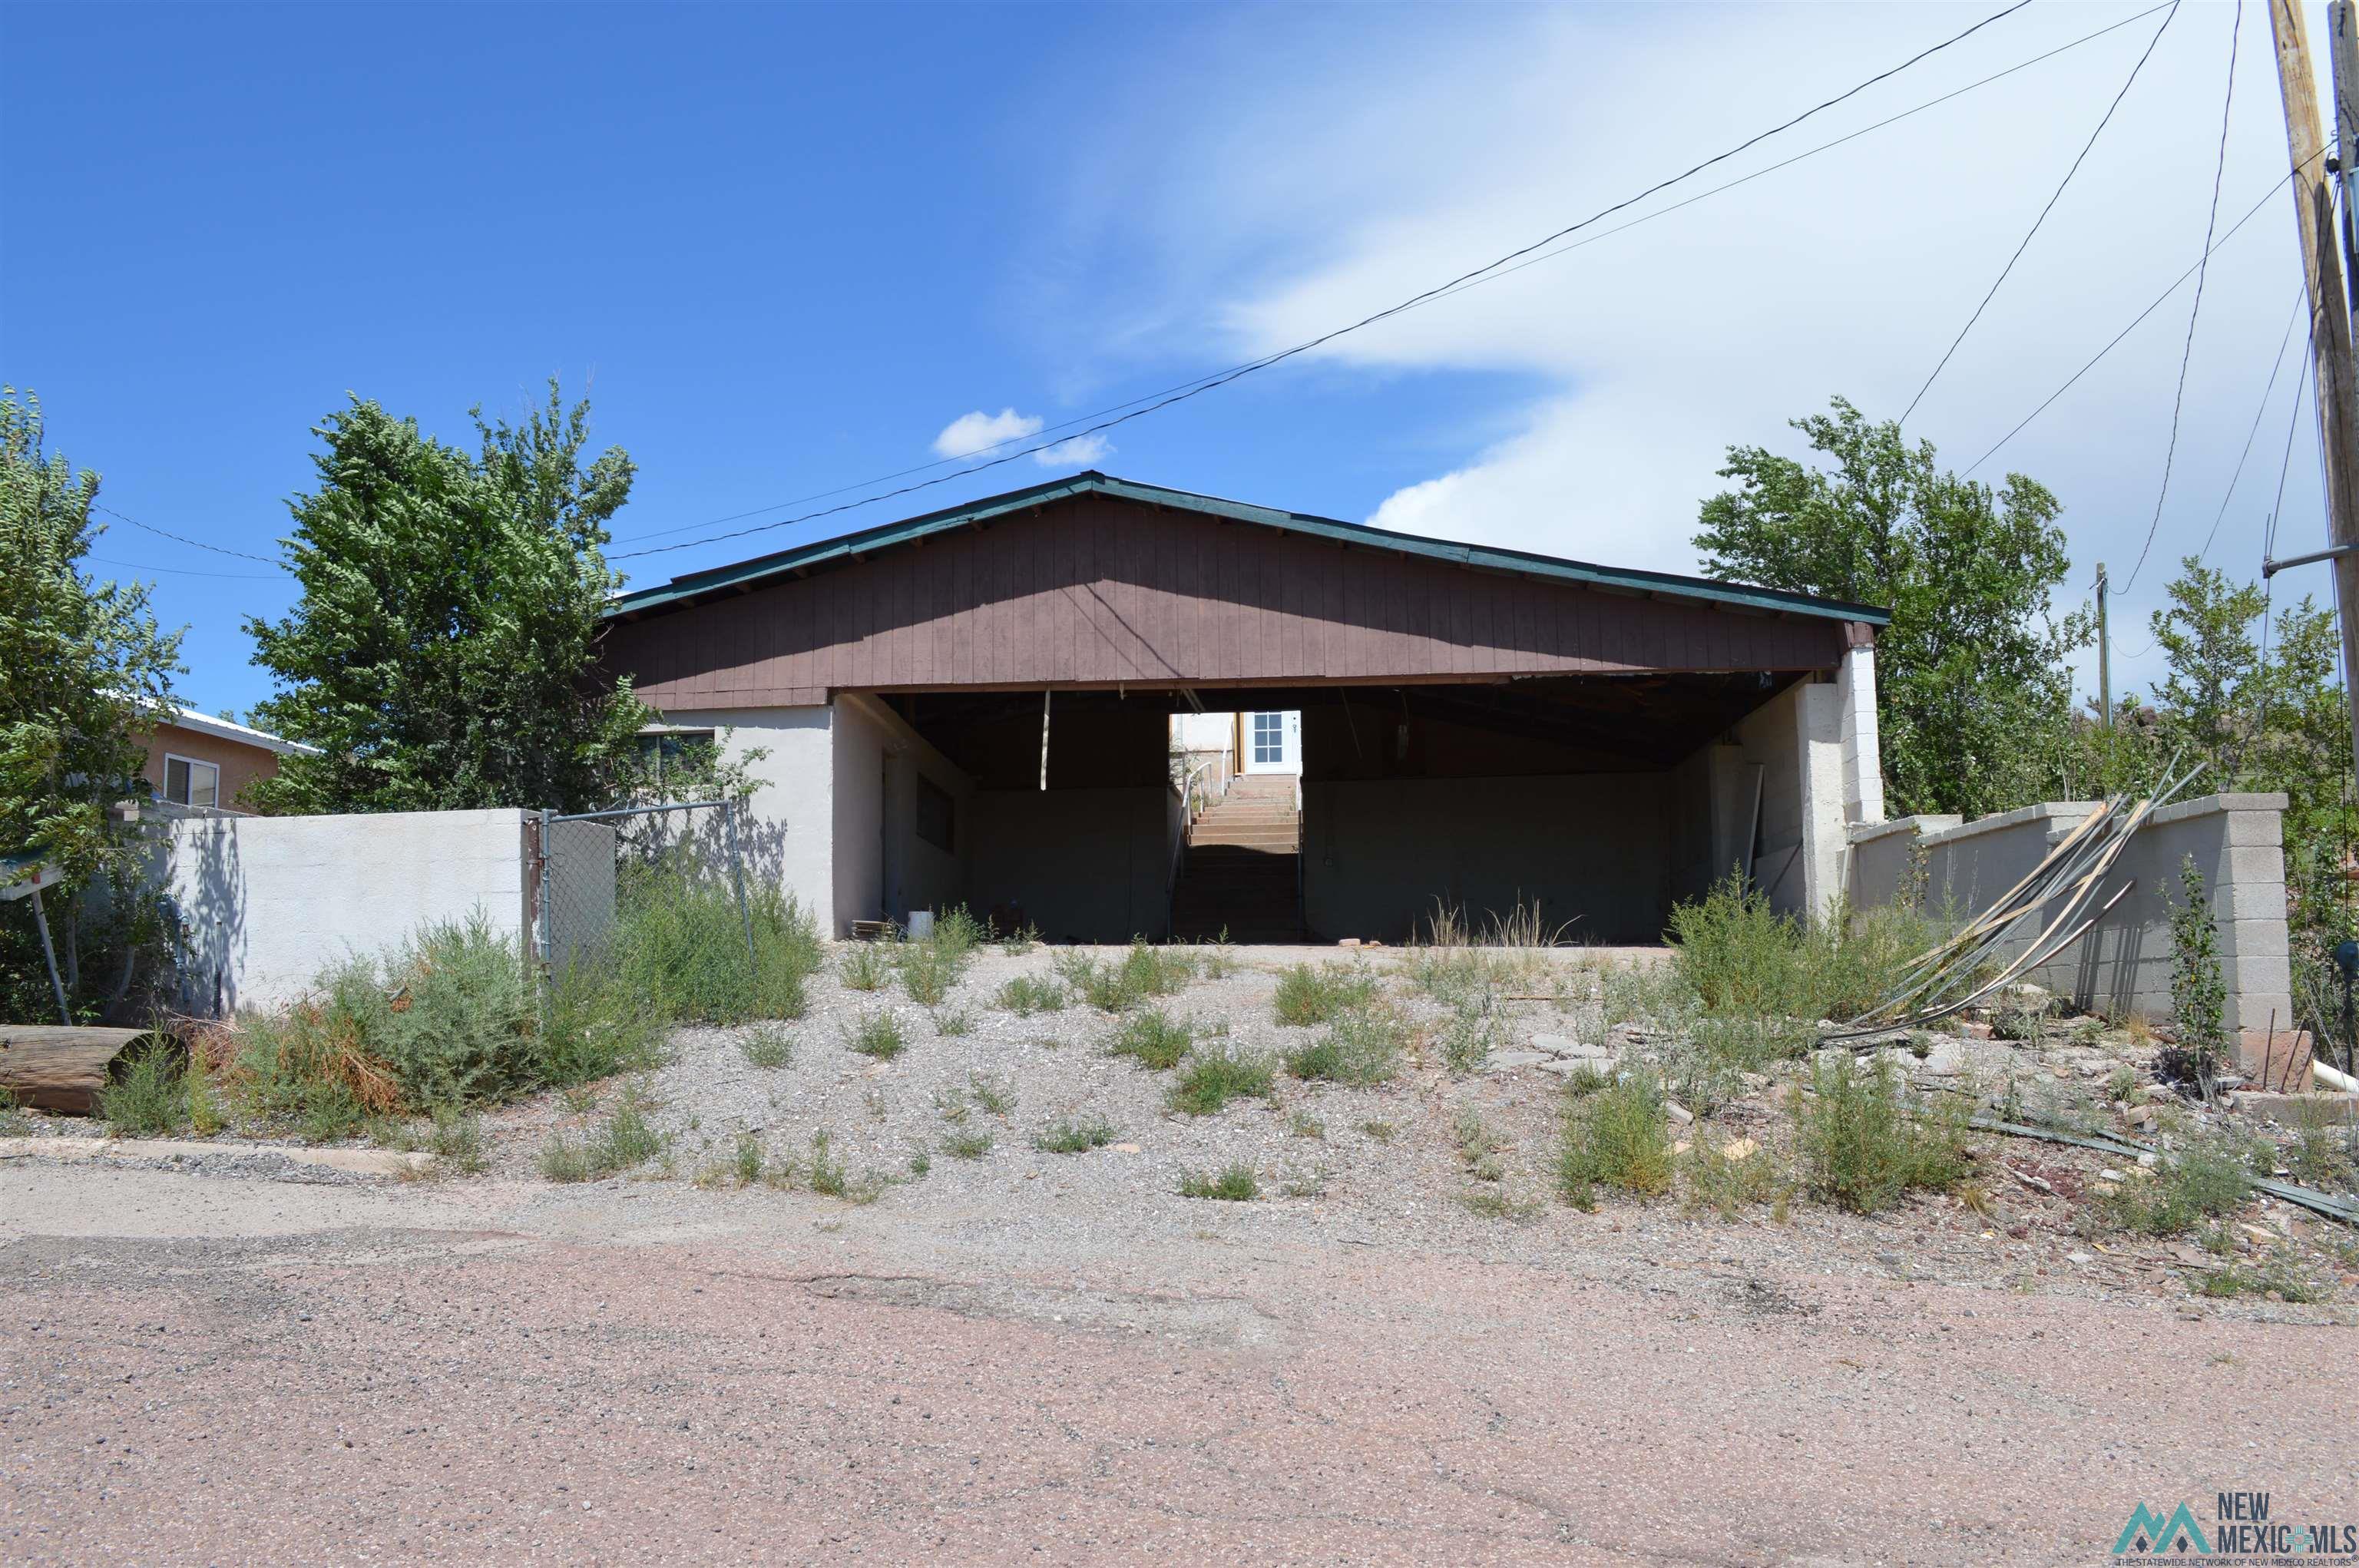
266 903
2122 965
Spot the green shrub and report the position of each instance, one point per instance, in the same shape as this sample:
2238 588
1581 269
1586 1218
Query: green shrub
1208 1080
877 1035
864 967
1360 1048
1025 996
952 1023
1234 1183
457 1142
1156 1041
928 972
2199 993
1317 995
148 1095
1020 941
626 1141
829 1177
13 1122
1615 1137
2207 1182
1743 959
767 1045
993 1095
967 1145
1726 1187
1077 1136
957 933
1862 1145
679 939
1472 1032
467 1033
748 1158
1116 986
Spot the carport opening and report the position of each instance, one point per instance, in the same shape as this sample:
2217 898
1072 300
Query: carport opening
1598 800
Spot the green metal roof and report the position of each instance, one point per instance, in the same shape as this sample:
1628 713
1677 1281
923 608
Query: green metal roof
681 592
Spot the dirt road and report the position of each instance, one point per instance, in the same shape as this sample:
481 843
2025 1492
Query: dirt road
197 1368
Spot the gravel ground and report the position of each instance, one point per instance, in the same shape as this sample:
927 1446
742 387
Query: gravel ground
1032 1354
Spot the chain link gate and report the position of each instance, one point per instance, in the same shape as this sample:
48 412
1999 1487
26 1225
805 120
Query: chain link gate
587 871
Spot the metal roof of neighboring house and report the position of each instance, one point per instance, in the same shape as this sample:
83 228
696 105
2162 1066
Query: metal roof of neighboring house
229 729
681 592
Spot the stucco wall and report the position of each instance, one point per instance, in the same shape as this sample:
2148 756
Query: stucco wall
240 764
1086 864
789 822
2124 963
1596 849
883 870
268 902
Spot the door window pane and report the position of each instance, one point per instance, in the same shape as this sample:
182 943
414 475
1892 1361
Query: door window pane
1269 738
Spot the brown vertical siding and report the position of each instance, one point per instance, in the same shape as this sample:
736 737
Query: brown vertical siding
1097 590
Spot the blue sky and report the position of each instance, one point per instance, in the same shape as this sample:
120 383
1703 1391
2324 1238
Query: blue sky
785 248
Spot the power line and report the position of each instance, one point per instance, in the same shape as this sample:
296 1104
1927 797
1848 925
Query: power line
185 572
2195 311
1411 304
2258 414
181 539
2054 197
1067 426
2134 321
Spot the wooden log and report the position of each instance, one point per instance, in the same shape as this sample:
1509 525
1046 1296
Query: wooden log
57 1067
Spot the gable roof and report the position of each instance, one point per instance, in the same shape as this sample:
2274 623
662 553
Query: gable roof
683 591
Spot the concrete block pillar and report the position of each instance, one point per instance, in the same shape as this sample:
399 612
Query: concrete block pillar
1862 764
1820 755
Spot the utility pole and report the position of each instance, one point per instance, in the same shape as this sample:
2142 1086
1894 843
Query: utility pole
2105 654
2330 328
2342 56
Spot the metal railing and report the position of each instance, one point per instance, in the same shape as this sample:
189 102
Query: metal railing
580 914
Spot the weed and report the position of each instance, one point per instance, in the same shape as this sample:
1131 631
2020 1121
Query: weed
767 1045
1472 1032
2199 993
2122 1088
626 1141
864 967
2322 1154
879 1035
748 1158
680 939
1025 996
1741 958
1312 1185
1216 961
1862 1145
1499 1203
952 1107
1074 1136
996 1097
1317 996
1586 1078
1727 1184
1615 1137
950 1025
1156 1042
1020 941
920 1163
457 1142
957 933
2279 1279
1233 1184
1382 1132
1306 1126
929 970
1361 1048
967 1145
2203 1183
829 1176
13 1122
146 1096
1478 1146
1208 1080
1114 986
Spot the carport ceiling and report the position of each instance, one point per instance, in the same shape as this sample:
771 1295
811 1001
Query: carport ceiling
1656 719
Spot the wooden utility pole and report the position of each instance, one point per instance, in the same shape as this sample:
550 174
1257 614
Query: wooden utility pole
2330 328
2105 654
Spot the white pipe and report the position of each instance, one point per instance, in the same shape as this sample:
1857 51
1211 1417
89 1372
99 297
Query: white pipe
2332 1077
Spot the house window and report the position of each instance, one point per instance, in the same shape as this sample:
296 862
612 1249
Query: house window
936 815
1269 738
189 782
676 752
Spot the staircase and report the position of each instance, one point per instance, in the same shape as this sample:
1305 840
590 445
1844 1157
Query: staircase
1240 873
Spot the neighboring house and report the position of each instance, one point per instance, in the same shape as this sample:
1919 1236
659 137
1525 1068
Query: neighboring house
206 763
975 706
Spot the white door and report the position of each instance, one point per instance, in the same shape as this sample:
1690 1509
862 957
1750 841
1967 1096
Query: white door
1273 743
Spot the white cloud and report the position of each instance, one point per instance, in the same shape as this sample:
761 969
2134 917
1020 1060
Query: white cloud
1079 453
1397 156
971 433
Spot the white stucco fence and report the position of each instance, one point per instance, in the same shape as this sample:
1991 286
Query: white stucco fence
266 903
2124 963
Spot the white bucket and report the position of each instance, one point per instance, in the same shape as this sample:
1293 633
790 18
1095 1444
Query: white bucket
921 924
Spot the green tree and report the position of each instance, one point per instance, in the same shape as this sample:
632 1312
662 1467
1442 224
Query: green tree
1975 703
83 669
2208 705
443 654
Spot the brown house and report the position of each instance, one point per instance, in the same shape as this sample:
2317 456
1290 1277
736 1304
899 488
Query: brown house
206 763
974 706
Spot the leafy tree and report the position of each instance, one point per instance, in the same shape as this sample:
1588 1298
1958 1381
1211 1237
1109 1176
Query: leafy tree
443 654
1974 706
2208 704
83 669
